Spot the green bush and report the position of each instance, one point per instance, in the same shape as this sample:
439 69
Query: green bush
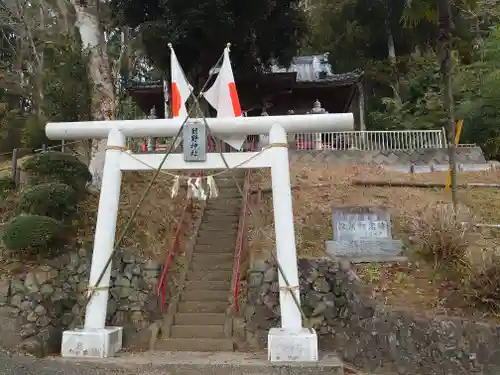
33 236
6 185
53 199
57 166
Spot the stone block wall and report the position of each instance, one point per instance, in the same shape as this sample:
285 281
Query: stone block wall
35 307
371 337
431 156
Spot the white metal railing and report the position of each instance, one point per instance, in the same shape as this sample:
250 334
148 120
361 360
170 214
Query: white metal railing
371 140
353 140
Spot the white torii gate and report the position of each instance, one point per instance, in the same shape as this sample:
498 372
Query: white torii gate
291 342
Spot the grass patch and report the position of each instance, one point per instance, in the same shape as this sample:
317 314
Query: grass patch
153 229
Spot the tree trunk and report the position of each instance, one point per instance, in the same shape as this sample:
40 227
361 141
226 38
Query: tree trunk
103 96
392 59
63 11
445 27
390 47
361 106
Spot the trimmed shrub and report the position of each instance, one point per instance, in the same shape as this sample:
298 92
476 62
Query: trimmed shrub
53 199
57 166
33 236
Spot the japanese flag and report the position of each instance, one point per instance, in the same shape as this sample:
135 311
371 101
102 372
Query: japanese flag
181 89
223 96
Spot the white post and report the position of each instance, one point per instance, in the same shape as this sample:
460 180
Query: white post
291 342
95 340
318 145
284 228
104 237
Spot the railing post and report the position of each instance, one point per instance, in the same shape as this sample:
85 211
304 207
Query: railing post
317 141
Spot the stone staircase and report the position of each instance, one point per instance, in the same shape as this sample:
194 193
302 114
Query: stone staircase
198 319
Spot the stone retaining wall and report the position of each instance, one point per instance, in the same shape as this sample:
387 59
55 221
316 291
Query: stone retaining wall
466 155
37 306
369 336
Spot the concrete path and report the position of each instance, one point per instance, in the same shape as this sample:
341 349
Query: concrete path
155 364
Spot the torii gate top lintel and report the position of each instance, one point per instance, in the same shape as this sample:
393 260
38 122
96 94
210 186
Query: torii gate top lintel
219 126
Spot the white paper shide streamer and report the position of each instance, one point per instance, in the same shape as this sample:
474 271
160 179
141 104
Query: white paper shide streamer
201 195
213 191
175 187
190 188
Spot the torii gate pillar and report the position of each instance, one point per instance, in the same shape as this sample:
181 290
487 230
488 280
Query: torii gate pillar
290 343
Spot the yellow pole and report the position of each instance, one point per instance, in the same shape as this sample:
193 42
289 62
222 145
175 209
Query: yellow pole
457 138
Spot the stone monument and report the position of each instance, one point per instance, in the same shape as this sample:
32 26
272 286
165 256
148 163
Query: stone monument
363 235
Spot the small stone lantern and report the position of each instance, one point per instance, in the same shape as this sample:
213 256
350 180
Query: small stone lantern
152 141
318 110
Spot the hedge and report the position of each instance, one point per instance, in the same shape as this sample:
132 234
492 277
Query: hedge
57 167
55 200
33 236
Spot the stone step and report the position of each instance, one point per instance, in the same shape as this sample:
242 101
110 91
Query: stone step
227 213
208 357
215 216
218 221
218 247
217 258
228 229
194 319
234 200
219 226
231 180
208 285
229 208
224 232
222 235
197 331
215 224
202 307
231 195
209 249
207 275
201 267
195 345
225 201
213 240
228 184
205 295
